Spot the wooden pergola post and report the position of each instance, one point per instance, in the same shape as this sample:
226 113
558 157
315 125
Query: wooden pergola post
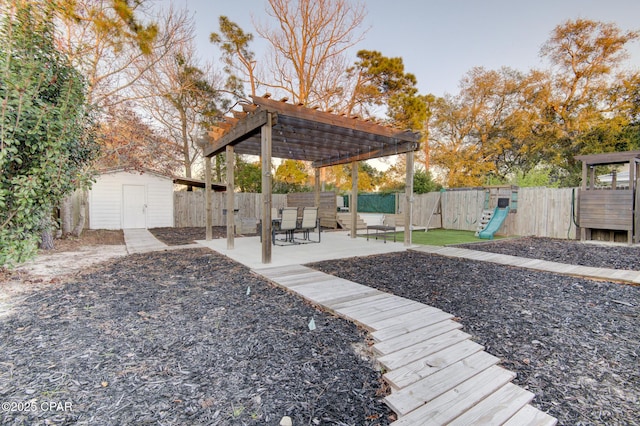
634 207
317 187
408 211
353 207
265 150
585 177
230 197
207 198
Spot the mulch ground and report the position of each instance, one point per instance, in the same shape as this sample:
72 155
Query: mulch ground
190 337
574 343
181 338
189 235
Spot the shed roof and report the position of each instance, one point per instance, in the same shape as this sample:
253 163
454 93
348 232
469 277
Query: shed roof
217 187
303 133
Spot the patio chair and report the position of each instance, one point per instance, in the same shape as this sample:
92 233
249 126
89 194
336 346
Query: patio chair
309 222
288 223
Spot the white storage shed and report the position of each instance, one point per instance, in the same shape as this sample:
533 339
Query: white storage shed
121 199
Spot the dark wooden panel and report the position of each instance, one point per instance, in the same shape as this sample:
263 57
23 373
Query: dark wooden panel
606 209
326 211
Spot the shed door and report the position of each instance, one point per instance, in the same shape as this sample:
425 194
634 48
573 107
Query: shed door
134 208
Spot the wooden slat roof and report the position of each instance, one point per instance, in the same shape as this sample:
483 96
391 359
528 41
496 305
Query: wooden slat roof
608 157
302 133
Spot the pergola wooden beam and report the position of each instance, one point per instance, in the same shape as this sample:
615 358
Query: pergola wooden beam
334 120
384 152
243 129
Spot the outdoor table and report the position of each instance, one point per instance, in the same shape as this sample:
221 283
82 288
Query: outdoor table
382 231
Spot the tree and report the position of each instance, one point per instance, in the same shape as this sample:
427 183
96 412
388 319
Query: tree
182 97
368 177
584 55
248 176
128 142
109 45
423 182
291 176
454 151
308 42
45 142
236 56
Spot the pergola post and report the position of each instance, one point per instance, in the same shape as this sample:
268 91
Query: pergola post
408 211
634 207
633 183
207 198
265 151
316 187
230 197
583 231
353 206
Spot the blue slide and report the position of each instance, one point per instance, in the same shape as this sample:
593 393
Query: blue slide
494 224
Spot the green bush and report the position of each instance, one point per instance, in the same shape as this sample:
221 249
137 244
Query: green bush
44 143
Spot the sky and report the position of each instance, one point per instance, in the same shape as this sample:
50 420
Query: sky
439 41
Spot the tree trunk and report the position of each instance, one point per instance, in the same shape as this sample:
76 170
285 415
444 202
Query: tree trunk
46 237
66 215
77 230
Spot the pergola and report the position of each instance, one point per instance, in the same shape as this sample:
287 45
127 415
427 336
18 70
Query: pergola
270 128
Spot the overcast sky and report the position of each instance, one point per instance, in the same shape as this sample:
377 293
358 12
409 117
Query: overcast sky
439 41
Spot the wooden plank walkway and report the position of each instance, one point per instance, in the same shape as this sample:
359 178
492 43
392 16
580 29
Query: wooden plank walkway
536 264
436 373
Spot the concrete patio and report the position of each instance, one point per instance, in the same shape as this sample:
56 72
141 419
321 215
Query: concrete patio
333 245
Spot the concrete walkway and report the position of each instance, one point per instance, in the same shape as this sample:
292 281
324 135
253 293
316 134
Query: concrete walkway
142 241
535 264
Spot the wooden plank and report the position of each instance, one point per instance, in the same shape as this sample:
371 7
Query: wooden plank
335 285
329 290
380 305
283 271
422 349
399 323
347 303
368 318
449 405
303 279
497 408
411 338
421 392
417 370
531 416
350 298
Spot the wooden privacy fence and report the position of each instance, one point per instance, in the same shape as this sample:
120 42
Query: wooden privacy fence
189 207
543 212
326 210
